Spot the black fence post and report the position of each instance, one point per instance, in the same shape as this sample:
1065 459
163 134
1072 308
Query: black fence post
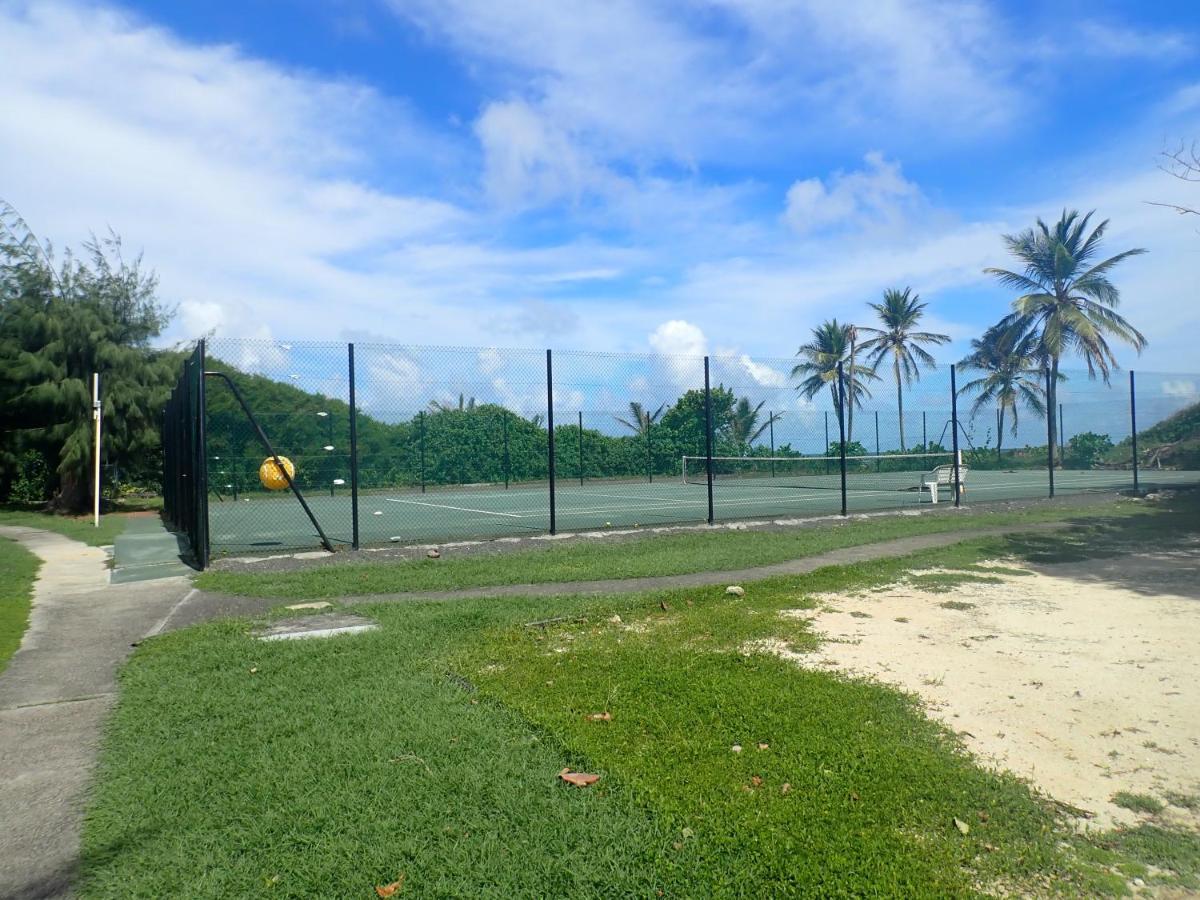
353 456
1061 434
954 432
581 448
924 433
421 428
201 484
507 461
1133 427
1050 448
550 436
708 435
841 417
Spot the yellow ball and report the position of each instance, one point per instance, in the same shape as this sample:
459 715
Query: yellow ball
272 477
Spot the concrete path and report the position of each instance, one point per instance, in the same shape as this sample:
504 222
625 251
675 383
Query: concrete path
200 606
54 697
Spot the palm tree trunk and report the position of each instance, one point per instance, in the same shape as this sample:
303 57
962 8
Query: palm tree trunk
1051 406
899 400
1000 435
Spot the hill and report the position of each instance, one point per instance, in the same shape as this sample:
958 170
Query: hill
1173 443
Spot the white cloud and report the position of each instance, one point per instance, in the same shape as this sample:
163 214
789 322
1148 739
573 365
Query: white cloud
877 195
1124 41
763 374
678 338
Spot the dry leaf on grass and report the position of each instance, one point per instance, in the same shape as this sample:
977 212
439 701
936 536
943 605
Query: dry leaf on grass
736 748
756 780
599 717
664 606
762 745
786 789
387 890
253 669
579 779
962 826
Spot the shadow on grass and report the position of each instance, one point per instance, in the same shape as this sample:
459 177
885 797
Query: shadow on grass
1150 554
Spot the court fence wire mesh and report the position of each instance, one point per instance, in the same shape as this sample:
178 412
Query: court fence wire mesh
408 445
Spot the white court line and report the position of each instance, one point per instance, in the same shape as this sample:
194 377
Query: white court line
628 496
486 512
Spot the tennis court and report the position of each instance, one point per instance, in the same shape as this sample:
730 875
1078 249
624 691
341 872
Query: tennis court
263 523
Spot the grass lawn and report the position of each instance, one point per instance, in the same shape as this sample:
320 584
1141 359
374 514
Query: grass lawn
78 528
674 554
429 750
20 568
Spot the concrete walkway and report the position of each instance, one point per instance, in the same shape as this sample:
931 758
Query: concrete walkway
54 697
200 606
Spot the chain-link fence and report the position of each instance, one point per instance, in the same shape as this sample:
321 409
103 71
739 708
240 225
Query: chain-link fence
389 443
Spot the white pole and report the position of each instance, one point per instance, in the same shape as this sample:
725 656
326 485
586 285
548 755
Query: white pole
96 454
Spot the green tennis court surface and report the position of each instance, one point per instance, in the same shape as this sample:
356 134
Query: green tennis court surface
266 523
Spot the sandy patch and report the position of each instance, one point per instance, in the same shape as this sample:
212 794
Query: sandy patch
1081 678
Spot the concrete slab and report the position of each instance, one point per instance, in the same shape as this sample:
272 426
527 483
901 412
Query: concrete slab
321 626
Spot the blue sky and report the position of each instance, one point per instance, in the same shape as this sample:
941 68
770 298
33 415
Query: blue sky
659 177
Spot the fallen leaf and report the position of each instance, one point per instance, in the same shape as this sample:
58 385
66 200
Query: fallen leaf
983 816
387 890
579 779
678 845
600 717
253 669
763 746
854 796
664 606
962 826
736 748
688 833
689 602
756 780
989 848
786 789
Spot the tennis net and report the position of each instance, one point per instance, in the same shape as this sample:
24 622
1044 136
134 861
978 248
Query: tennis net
883 472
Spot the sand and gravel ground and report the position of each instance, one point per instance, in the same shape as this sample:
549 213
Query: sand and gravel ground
1081 677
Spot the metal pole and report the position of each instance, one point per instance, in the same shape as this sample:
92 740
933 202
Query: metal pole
954 431
1049 435
550 435
1061 438
1133 426
708 439
771 423
649 451
924 434
96 454
825 451
421 426
201 481
876 440
504 426
353 457
581 448
841 430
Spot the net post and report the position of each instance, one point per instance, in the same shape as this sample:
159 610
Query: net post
1050 433
581 448
550 435
924 433
708 433
353 453
877 462
1133 428
771 424
203 549
649 452
825 450
507 461
841 411
954 432
421 442
1061 432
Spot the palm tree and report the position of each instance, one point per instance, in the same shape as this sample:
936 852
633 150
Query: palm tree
745 418
640 419
1014 376
831 344
465 404
899 313
1069 303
